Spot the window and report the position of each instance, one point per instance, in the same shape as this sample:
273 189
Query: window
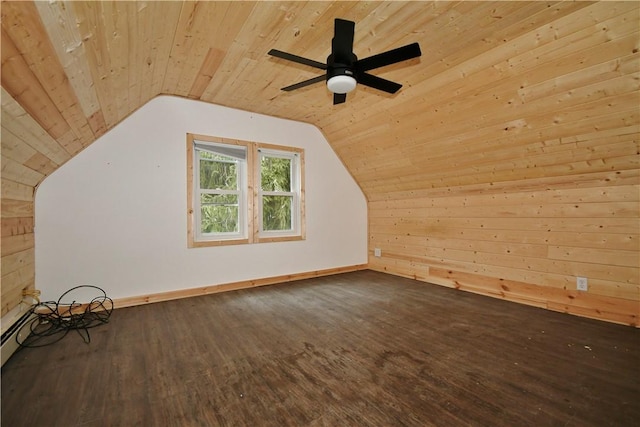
243 192
278 192
221 191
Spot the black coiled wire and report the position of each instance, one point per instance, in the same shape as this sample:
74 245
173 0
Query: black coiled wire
55 319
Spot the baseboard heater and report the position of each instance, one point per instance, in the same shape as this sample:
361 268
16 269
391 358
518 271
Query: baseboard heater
16 332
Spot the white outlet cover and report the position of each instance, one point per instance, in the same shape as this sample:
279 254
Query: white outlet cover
582 284
377 252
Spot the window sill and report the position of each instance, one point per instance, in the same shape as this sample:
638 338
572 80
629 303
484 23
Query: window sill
208 243
271 239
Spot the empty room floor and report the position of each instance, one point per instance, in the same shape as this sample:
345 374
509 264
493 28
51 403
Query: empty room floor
355 349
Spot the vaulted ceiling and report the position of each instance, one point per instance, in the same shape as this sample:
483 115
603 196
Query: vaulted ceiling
496 88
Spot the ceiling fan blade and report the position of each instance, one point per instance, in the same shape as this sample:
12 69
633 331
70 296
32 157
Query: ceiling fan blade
389 57
339 98
342 42
296 58
378 83
305 83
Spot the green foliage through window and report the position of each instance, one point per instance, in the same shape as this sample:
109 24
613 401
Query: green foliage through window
219 213
275 174
217 172
277 197
219 193
276 213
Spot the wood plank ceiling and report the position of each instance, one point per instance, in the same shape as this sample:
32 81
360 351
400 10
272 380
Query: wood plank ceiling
503 91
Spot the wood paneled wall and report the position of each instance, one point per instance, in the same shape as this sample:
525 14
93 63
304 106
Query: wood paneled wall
23 167
523 241
537 187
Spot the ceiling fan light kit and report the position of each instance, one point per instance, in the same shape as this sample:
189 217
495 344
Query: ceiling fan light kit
343 69
341 84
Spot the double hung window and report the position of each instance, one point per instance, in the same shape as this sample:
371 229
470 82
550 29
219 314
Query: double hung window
243 192
221 172
278 193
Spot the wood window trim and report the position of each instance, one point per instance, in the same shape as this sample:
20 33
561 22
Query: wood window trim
253 232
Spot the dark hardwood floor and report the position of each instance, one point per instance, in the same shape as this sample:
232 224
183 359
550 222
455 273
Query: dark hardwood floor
357 349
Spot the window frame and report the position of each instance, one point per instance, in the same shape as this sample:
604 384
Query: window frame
195 238
252 213
296 155
240 192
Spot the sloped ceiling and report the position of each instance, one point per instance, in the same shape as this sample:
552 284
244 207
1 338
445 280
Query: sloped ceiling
492 90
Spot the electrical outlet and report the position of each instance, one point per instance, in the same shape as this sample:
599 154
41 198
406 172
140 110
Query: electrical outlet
377 252
582 284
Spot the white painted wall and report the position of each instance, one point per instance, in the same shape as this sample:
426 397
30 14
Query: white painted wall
115 215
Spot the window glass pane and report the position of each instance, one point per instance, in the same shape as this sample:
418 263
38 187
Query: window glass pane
276 213
215 174
275 174
219 213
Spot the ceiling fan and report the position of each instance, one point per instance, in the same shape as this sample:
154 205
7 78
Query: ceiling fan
345 70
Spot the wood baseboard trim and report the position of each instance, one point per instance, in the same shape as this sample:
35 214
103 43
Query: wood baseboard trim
582 304
213 289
